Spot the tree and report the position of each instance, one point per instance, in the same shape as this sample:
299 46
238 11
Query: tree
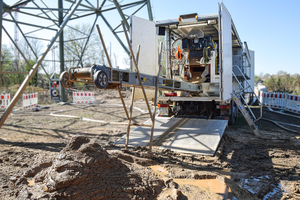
257 79
34 79
6 65
75 41
31 51
283 82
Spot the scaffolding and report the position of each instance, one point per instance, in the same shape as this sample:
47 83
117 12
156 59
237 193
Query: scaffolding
48 16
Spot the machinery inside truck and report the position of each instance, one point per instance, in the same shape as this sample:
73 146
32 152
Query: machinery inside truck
193 55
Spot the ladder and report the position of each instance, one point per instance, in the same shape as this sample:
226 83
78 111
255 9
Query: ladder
243 105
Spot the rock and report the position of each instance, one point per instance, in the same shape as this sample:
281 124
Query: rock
170 194
85 170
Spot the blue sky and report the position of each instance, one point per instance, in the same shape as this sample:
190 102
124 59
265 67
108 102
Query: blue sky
270 28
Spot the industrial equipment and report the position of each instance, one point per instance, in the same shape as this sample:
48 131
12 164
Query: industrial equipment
209 70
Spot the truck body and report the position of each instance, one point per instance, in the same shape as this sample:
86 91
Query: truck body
205 62
202 49
205 73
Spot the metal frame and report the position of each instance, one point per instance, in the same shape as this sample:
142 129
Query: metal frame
135 61
72 10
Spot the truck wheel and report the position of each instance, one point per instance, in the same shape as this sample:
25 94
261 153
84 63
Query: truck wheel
65 81
101 79
233 114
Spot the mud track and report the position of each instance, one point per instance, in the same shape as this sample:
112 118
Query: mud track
34 149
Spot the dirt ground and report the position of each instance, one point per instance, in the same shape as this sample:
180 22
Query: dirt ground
59 152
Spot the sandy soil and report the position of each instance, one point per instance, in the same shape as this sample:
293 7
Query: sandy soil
246 167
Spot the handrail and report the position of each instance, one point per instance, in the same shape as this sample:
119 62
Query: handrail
250 89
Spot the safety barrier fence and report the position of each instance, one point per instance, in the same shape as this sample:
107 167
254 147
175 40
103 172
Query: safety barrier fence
83 97
284 101
293 103
4 100
30 100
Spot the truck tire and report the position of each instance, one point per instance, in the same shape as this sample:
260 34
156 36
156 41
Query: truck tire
233 113
101 79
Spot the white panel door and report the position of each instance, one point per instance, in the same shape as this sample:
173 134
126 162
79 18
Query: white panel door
143 33
226 51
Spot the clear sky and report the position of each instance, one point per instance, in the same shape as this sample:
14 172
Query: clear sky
270 28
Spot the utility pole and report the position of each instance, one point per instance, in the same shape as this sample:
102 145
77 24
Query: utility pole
61 48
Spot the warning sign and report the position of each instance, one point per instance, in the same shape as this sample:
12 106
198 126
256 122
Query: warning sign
54 92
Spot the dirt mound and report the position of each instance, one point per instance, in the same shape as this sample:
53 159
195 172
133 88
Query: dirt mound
84 170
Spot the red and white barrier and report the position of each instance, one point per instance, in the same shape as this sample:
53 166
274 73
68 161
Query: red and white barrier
274 100
4 100
293 103
285 101
83 97
30 100
261 96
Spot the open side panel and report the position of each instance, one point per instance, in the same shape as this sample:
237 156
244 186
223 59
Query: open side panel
225 36
143 33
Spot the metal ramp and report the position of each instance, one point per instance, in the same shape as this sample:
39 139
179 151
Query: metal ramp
186 135
242 104
140 136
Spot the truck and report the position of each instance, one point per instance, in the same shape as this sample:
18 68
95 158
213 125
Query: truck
206 71
205 50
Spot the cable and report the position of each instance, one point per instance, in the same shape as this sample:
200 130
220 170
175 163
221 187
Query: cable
282 127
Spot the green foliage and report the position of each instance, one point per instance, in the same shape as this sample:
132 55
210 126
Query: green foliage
34 79
257 79
282 82
12 62
9 64
6 65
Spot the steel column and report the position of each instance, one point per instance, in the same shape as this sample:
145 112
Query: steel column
149 10
35 67
27 24
45 14
61 49
121 14
117 37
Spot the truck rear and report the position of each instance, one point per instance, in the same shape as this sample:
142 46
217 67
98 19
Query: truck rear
204 50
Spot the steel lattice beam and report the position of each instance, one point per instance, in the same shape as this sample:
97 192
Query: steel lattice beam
78 9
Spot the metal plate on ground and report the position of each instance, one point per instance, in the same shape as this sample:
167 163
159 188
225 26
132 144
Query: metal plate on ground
141 135
197 136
